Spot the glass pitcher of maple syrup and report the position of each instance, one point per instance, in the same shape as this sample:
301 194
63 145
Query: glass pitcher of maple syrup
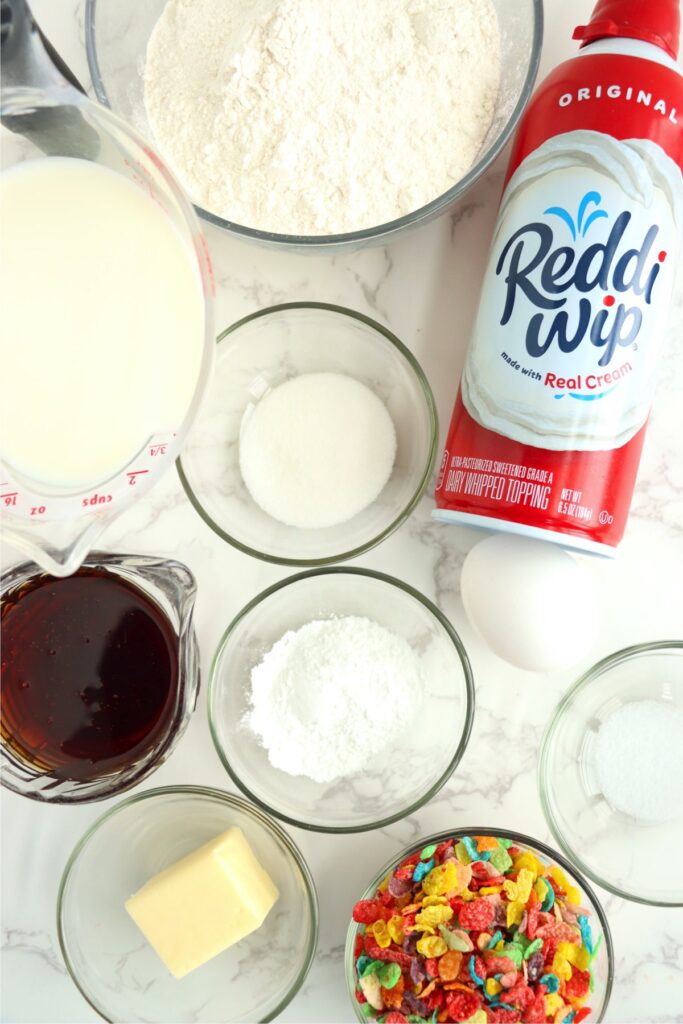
100 675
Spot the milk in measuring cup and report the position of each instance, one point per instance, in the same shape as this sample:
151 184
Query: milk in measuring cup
102 326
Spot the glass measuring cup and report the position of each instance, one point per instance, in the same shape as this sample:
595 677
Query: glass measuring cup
43 116
171 588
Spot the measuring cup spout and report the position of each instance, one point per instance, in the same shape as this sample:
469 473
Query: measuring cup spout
58 548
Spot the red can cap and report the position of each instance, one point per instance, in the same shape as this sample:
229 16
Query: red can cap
654 21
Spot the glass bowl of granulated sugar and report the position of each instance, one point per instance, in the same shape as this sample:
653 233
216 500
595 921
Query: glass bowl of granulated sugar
301 124
317 437
611 773
340 700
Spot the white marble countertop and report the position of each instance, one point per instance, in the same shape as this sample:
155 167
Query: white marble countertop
424 288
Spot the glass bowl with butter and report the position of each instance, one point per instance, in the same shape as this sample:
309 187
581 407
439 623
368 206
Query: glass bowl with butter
178 902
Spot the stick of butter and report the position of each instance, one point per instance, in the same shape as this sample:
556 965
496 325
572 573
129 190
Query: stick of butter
196 908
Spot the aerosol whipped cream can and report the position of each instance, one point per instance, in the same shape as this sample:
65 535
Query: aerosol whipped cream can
549 423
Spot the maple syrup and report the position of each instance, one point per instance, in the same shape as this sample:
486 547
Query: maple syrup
89 674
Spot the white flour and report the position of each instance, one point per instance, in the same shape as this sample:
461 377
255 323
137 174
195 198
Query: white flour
321 116
330 698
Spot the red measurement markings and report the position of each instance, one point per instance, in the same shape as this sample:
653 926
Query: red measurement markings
97 499
142 178
134 474
38 510
157 449
209 265
10 498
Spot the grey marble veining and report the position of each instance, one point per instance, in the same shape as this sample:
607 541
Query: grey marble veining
424 287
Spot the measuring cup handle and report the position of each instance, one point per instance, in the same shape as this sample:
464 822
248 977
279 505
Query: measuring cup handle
28 57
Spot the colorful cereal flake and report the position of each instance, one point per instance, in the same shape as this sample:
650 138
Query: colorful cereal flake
474 930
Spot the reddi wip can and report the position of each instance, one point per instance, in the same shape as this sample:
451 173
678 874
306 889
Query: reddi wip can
551 414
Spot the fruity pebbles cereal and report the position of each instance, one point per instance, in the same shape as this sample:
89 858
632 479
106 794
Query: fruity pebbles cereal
475 930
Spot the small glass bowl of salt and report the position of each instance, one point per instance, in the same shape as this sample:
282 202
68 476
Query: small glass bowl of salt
611 773
340 700
317 438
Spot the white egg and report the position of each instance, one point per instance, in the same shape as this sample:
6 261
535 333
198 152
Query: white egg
532 603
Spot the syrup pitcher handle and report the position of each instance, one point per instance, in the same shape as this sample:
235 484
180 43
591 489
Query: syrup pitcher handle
177 582
28 57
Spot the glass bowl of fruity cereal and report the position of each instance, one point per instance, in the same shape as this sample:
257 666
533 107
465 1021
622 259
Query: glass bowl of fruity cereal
479 925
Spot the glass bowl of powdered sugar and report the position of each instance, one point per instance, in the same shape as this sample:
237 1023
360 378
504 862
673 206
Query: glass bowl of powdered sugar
340 700
305 125
317 437
611 773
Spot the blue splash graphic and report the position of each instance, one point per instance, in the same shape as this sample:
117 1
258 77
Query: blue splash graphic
579 226
586 398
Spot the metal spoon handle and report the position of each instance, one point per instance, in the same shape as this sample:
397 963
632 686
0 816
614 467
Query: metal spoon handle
28 57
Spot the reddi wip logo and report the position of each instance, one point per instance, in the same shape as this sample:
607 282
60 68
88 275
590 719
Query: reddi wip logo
565 264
